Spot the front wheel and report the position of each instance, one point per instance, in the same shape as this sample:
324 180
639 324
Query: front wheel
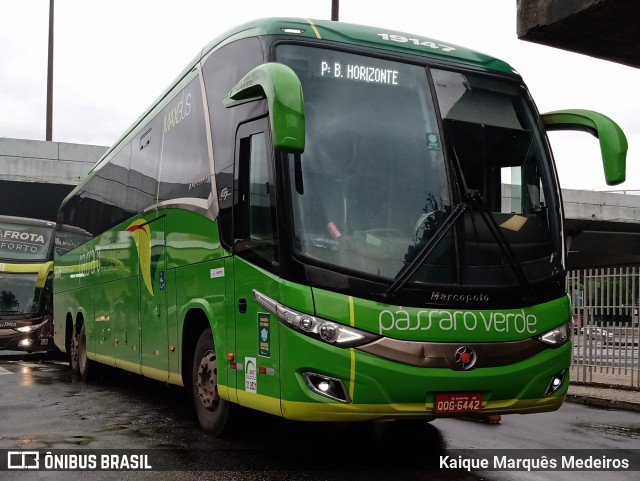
212 411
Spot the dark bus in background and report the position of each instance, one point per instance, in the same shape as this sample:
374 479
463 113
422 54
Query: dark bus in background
26 275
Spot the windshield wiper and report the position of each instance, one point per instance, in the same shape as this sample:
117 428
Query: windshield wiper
472 199
425 251
505 247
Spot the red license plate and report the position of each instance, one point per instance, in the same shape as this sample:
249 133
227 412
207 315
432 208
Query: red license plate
458 402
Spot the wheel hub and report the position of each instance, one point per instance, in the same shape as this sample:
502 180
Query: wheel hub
207 380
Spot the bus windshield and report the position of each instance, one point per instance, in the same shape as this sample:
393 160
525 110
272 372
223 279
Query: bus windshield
385 163
18 293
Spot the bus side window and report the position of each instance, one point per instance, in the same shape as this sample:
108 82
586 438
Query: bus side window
101 204
185 170
143 174
257 217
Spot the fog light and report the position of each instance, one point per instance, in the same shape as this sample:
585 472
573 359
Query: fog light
25 342
327 386
554 385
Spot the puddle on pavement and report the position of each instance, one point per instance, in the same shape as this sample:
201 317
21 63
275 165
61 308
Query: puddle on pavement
45 442
628 432
79 440
116 427
72 393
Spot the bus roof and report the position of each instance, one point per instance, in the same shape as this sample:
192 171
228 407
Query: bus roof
9 219
363 36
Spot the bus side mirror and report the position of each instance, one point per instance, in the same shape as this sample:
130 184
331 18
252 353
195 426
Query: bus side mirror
613 142
281 87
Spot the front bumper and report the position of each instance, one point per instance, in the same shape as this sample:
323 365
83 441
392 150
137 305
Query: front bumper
40 339
381 388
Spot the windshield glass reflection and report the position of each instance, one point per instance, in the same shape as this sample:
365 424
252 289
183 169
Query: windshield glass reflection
372 179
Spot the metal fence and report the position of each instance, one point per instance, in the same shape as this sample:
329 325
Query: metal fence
606 328
606 353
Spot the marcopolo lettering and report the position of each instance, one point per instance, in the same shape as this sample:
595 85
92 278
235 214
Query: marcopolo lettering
466 298
494 322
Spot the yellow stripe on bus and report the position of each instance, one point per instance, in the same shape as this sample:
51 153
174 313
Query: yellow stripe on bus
260 402
41 268
150 372
315 29
352 351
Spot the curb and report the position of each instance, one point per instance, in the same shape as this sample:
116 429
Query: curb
602 403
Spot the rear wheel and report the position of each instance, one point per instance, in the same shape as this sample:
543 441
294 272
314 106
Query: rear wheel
212 411
88 369
73 352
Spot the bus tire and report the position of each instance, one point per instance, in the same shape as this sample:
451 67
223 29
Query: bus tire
87 368
212 411
73 353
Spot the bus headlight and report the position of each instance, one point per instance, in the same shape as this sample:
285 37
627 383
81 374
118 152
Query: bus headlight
557 336
316 327
30 328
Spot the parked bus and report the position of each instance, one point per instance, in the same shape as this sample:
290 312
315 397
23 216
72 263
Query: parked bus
26 273
326 221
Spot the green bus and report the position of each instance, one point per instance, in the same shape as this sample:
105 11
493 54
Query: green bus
326 221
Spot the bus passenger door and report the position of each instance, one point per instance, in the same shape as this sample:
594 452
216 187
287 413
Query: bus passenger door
154 337
256 266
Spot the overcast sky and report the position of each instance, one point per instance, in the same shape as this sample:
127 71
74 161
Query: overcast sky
114 57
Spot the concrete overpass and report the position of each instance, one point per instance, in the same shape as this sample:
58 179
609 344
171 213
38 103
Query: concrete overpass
609 30
606 29
35 176
603 229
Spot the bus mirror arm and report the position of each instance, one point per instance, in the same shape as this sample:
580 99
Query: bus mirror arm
613 142
282 88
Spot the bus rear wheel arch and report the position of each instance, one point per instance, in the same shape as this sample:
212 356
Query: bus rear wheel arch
71 344
87 368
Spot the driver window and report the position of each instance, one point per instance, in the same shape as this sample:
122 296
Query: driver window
256 229
260 226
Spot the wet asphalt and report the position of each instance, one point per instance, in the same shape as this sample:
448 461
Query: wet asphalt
43 406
